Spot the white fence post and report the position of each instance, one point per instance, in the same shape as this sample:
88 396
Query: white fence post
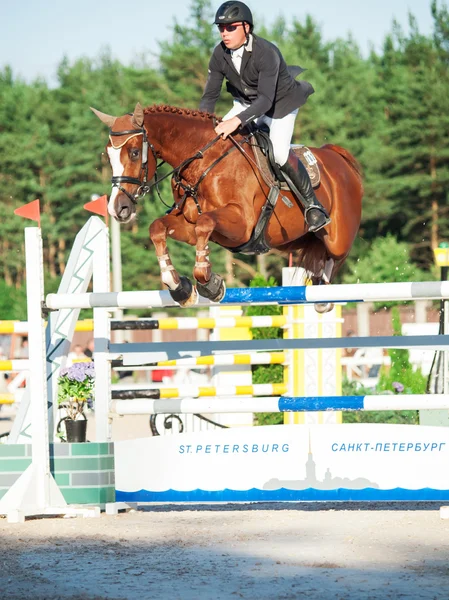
35 492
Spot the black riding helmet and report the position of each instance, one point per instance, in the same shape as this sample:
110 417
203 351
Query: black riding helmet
233 12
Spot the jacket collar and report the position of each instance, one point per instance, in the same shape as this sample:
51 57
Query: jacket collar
246 54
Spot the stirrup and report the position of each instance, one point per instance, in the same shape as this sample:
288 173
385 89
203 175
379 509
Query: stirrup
318 226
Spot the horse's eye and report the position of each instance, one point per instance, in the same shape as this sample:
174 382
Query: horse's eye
134 153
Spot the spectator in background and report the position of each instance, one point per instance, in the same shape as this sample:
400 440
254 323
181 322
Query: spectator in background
89 349
76 354
23 349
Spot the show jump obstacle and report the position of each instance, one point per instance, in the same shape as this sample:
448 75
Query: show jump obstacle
290 462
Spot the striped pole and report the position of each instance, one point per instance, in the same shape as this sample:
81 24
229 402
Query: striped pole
282 404
372 402
200 323
13 327
21 327
362 292
253 358
16 365
261 389
7 399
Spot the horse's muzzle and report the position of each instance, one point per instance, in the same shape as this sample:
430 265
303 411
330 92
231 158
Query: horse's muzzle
124 210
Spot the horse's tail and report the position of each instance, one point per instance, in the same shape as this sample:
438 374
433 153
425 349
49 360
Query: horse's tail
349 158
310 254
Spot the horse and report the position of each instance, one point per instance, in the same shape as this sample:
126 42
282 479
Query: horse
219 195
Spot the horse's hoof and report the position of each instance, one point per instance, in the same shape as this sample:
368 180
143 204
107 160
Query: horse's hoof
214 289
323 307
192 300
184 292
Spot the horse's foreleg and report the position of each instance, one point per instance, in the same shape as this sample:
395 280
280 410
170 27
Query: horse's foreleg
180 288
230 223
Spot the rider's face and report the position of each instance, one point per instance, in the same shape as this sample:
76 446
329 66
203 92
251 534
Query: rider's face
234 39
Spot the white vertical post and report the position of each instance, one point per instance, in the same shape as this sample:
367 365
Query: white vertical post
35 491
116 272
38 385
445 352
101 283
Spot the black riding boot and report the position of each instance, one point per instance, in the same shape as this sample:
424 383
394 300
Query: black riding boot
298 179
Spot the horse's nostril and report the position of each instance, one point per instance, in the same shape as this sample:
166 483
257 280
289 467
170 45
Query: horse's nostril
124 212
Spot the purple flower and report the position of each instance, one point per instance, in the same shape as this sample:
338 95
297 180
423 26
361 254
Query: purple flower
398 387
79 372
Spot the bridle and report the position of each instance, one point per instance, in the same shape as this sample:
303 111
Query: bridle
143 188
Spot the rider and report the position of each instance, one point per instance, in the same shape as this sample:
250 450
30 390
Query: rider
263 89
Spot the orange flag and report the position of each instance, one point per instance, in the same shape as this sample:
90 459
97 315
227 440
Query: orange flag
99 206
30 211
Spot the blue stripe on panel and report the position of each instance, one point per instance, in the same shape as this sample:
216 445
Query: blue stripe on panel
289 495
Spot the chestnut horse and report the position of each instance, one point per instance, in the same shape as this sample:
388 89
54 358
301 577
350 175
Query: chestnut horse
219 194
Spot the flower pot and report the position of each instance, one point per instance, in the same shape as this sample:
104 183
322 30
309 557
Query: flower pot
75 430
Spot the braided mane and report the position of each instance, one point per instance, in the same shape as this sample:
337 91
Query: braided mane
160 108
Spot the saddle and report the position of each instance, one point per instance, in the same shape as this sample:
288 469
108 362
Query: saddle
272 175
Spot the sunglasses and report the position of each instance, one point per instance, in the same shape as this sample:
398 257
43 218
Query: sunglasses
229 28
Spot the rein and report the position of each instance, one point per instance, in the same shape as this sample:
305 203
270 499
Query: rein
192 190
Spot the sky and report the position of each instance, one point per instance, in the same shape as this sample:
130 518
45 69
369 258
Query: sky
37 34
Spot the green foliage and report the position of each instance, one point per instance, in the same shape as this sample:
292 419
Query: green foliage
400 378
385 260
264 333
401 371
12 303
266 373
353 388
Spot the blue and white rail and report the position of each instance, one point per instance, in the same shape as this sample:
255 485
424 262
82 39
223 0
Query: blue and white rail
361 292
280 404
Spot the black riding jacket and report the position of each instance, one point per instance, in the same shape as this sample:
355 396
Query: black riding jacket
265 82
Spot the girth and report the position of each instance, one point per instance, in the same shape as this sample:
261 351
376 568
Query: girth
257 243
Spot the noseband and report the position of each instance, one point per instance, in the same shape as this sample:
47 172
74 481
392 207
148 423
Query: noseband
143 188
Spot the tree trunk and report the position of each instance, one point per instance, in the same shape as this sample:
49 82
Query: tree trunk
7 273
52 259
434 235
61 255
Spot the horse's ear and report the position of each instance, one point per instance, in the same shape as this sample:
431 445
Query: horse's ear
138 116
109 120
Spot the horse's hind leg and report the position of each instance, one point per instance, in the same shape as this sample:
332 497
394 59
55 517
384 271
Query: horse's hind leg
230 223
180 288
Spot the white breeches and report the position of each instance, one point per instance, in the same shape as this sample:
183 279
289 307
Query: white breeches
281 130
